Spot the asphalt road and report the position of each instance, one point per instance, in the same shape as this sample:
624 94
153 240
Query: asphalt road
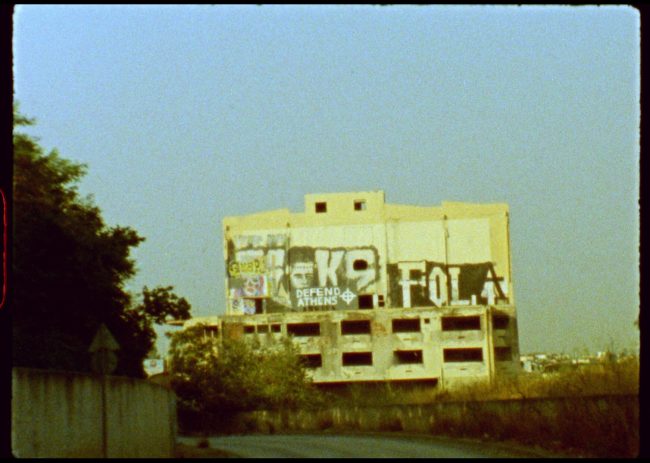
357 446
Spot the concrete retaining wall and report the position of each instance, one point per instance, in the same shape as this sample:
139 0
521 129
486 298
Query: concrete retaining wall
59 415
600 426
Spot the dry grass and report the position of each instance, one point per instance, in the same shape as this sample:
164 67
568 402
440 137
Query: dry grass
604 428
590 411
614 378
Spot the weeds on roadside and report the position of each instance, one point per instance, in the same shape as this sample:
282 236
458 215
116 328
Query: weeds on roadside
607 378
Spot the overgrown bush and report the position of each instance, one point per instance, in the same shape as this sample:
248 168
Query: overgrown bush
228 376
606 378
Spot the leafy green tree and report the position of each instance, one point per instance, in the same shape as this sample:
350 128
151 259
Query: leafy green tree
157 305
283 380
192 356
70 268
162 305
229 375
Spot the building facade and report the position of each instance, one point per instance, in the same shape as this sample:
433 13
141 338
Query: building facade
376 292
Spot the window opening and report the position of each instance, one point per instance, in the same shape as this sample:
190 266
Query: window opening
357 358
312 360
360 205
248 329
463 355
360 264
500 322
355 327
406 325
408 357
303 329
262 328
321 208
276 328
365 301
461 323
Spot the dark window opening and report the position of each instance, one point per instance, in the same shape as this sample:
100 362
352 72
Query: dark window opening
360 264
406 325
276 328
500 322
262 328
321 207
365 301
312 360
408 356
461 323
502 354
463 355
380 300
248 329
357 358
303 329
360 205
355 327
426 321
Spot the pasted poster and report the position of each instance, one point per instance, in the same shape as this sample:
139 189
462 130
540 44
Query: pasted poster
298 278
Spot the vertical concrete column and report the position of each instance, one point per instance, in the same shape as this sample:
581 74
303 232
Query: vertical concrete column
490 343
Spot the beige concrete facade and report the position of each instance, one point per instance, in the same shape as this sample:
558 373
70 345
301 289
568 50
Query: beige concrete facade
376 292
58 414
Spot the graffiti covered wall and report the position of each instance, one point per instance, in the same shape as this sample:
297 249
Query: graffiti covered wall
424 283
267 274
299 278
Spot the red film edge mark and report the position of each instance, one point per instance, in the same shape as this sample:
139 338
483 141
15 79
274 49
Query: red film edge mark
4 248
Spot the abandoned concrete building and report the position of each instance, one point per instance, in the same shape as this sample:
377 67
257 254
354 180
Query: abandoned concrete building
373 291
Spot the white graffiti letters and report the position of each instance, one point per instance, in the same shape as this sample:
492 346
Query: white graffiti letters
365 274
317 296
327 262
437 286
443 284
453 276
406 282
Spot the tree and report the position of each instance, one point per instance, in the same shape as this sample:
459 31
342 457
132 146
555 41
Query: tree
229 375
162 305
158 305
70 268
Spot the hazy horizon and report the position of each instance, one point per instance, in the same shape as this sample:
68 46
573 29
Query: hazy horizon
188 114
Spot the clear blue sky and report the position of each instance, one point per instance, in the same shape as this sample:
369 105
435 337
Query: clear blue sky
187 114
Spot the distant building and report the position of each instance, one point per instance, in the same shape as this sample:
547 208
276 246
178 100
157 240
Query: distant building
373 291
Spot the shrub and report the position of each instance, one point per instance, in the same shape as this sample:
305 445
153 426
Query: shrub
229 376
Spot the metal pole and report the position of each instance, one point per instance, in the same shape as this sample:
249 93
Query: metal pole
104 420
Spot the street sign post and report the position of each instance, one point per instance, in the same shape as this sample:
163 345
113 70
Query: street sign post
104 362
103 347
